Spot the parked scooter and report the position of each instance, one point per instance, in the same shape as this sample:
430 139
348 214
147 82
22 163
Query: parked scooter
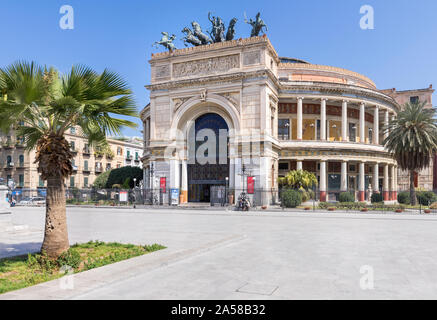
243 202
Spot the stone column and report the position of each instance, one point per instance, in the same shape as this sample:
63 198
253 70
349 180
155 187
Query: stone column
299 165
299 118
323 119
344 127
376 178
323 188
392 182
386 189
184 180
362 186
376 125
343 187
363 123
386 117
174 174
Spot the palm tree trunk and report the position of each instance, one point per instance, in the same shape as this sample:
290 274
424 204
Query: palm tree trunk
412 189
55 233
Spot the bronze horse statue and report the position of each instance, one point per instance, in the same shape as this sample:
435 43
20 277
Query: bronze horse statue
166 41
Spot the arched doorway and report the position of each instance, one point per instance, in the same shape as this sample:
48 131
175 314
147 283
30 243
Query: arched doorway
204 169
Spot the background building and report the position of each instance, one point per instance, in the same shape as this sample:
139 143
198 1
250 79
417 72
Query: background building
18 164
425 179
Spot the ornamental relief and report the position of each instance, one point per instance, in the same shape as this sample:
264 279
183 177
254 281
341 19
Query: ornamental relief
180 101
232 97
162 72
206 66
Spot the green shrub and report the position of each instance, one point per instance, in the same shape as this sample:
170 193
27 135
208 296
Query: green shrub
404 197
376 198
291 198
69 258
323 205
102 180
346 197
119 176
425 198
126 184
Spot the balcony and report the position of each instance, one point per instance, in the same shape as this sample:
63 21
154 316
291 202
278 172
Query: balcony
20 165
8 145
86 152
86 170
128 158
74 168
99 169
73 150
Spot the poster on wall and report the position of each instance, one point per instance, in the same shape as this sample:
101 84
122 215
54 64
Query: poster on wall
163 184
174 193
250 185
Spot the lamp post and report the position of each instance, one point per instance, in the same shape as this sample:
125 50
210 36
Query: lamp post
226 190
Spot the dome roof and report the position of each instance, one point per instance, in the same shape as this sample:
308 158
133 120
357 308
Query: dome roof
292 60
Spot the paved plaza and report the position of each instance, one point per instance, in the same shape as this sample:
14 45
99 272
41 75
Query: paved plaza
215 254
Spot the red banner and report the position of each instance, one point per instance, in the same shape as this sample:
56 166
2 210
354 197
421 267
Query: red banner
250 185
163 184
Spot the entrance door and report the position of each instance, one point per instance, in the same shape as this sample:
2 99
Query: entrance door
202 176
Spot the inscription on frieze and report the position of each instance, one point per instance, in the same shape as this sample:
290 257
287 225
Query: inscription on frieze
206 66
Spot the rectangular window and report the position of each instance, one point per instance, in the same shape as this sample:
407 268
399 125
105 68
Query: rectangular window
414 99
283 129
137 157
352 132
41 182
21 180
370 135
283 166
85 182
318 129
71 182
72 145
85 165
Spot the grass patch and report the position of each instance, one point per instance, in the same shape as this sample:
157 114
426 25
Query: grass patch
24 271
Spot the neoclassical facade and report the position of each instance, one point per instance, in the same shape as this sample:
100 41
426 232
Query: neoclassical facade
280 114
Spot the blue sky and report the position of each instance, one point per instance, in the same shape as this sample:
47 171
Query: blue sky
398 53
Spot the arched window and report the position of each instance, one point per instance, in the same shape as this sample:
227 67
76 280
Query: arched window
9 159
21 159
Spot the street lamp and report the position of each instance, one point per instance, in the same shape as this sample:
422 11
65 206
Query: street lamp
226 190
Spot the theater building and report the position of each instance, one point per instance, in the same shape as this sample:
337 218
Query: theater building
294 114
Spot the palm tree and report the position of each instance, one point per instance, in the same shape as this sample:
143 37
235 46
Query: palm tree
47 105
412 139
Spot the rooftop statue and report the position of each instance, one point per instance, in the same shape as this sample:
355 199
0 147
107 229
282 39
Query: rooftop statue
218 29
166 41
231 30
197 30
190 38
257 25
